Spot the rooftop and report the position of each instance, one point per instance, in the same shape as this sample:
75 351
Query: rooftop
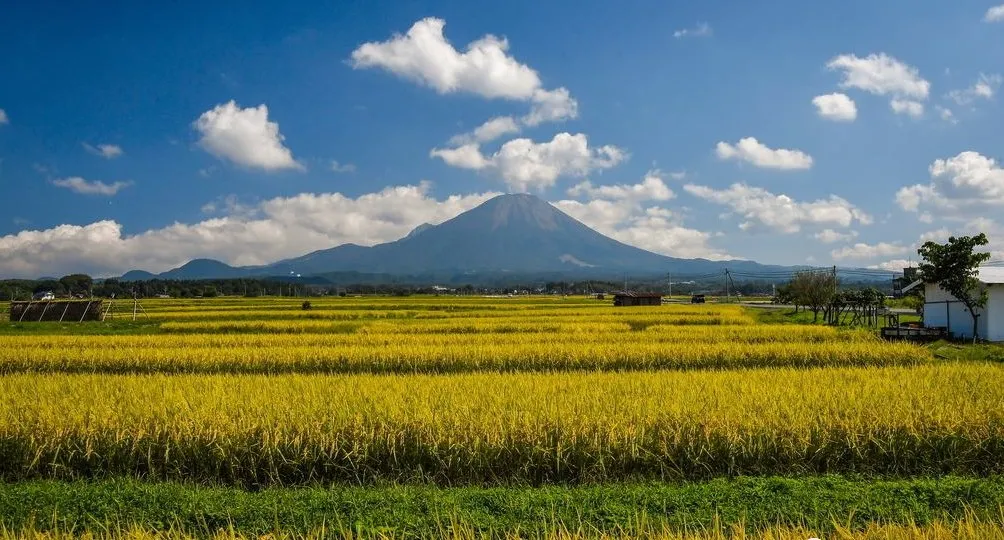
632 294
991 275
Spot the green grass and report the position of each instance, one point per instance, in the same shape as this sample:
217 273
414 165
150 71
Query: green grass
815 502
118 327
981 352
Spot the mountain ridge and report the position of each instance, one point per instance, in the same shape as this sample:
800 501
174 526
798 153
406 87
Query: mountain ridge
508 234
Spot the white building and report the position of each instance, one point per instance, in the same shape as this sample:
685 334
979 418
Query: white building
942 310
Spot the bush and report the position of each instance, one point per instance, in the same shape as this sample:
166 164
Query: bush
306 305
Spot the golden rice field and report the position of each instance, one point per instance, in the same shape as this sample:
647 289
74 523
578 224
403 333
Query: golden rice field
505 428
451 336
456 392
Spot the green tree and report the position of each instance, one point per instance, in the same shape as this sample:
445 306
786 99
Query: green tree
76 283
814 290
954 266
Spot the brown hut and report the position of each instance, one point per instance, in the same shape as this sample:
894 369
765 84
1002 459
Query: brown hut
628 298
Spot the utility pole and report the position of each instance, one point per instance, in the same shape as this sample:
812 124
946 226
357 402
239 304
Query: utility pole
728 297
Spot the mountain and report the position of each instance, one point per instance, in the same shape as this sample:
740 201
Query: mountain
509 234
137 275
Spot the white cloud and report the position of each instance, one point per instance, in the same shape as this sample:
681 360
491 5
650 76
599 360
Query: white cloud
946 114
551 106
622 212
908 107
958 185
107 151
485 68
524 164
984 88
425 56
994 14
548 106
79 185
489 131
3 117
837 107
245 137
651 188
895 265
342 167
280 228
761 208
753 151
882 75
940 236
830 236
862 251
467 156
700 30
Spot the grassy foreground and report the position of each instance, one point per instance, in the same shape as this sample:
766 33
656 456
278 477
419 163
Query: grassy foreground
821 505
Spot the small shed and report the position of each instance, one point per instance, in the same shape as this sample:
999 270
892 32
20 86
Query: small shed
628 298
942 310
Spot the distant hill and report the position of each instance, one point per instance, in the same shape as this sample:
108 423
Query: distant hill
137 275
507 235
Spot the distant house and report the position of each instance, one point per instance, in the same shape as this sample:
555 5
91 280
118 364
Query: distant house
628 298
43 296
942 310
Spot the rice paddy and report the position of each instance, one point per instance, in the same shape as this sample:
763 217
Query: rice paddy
455 393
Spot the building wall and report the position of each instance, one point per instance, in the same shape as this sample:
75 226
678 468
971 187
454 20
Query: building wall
995 310
956 317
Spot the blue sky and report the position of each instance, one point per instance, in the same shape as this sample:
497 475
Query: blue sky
793 132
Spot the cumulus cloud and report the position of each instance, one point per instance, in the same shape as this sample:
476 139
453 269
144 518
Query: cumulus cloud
245 137
524 164
862 251
984 88
79 185
3 117
489 131
651 188
763 209
625 212
959 184
753 151
908 107
467 156
551 106
970 227
700 30
342 167
277 228
882 75
485 68
107 151
425 56
836 106
994 14
830 236
895 265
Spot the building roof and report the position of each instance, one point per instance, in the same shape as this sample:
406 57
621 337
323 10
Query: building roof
991 275
631 294
911 286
